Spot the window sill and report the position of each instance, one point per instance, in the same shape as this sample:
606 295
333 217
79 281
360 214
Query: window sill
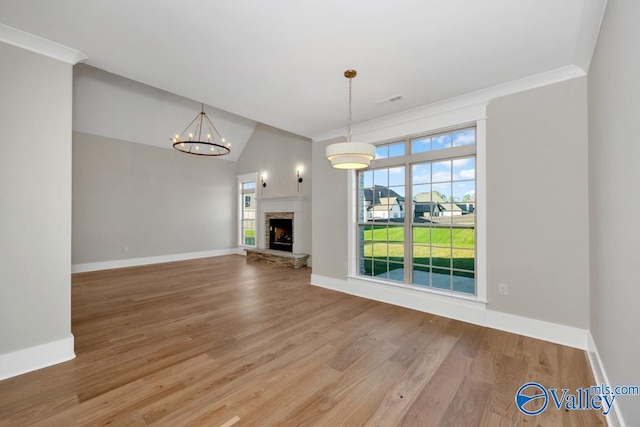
458 297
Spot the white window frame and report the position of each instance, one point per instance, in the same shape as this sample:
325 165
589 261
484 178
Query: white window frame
242 179
470 116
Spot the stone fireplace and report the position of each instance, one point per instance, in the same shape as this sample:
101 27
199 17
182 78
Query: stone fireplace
282 238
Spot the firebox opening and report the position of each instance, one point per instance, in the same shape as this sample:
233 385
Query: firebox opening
281 234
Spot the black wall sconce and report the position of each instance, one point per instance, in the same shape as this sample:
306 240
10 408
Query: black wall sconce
299 176
263 180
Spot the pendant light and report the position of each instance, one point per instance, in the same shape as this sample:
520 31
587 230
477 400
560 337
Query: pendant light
350 155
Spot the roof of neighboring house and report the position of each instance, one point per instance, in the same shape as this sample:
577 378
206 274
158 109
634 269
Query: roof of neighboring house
428 207
451 207
373 195
386 204
428 197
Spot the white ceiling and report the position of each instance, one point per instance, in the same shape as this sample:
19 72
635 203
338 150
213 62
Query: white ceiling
280 62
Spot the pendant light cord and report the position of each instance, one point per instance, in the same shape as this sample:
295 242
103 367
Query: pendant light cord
350 118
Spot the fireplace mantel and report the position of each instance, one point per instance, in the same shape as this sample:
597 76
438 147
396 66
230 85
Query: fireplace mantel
295 198
281 204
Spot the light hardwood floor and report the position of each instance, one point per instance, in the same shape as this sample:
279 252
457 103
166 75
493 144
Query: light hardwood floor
217 342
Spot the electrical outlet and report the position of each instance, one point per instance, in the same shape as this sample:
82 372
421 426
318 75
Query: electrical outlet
503 289
125 249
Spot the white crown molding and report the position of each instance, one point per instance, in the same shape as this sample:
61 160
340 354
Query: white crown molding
39 45
415 125
37 357
134 262
463 102
592 16
454 308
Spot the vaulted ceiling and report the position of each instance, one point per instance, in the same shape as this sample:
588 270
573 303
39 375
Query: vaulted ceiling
281 62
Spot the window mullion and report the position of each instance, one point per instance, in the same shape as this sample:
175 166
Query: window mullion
408 219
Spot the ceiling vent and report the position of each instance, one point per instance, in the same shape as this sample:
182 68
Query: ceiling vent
389 100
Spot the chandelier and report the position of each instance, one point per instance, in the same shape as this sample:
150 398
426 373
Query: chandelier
350 155
201 138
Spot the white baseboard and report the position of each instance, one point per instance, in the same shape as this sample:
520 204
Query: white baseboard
134 262
37 357
442 305
614 418
539 329
455 308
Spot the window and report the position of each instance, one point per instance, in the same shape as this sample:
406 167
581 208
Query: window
382 202
248 213
416 213
390 150
443 224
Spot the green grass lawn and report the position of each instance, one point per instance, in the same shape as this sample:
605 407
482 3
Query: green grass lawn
250 237
437 236
450 247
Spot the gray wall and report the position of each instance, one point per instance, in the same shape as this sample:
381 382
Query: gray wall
537 207
35 199
329 215
537 203
132 200
614 166
278 153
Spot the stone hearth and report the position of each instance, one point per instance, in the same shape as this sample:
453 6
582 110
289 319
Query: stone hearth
281 258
